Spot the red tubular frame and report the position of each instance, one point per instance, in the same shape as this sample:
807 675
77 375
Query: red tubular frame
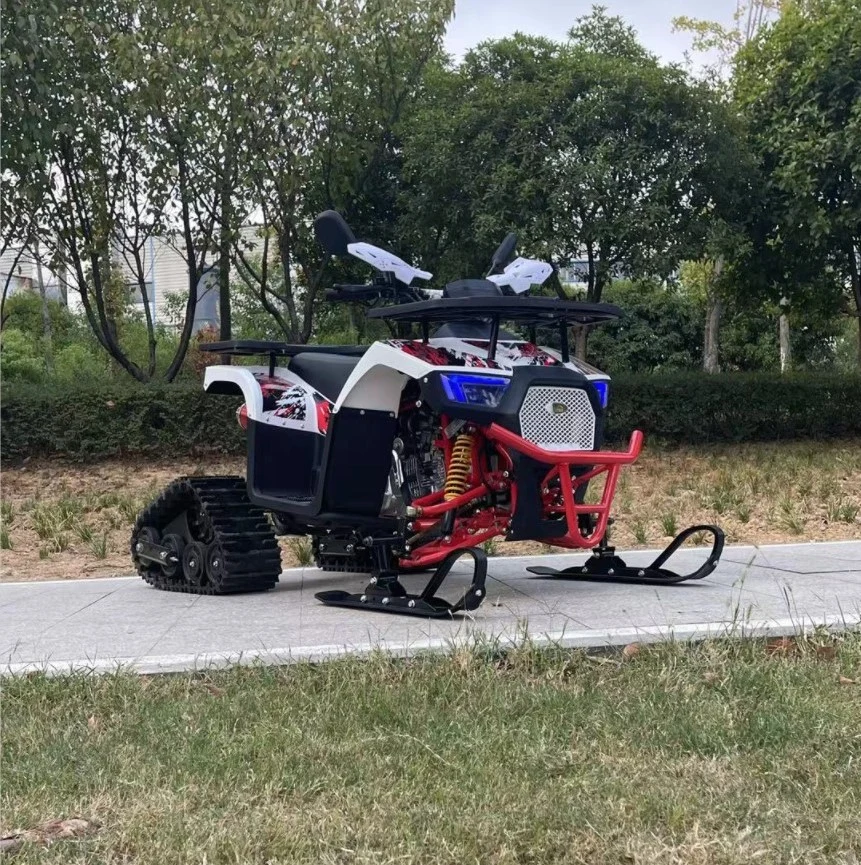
599 462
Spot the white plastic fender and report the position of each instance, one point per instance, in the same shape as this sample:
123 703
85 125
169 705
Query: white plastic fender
243 377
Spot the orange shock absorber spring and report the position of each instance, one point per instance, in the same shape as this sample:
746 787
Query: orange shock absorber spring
459 467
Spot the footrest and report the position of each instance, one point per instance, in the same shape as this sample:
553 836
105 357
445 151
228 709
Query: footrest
386 594
609 568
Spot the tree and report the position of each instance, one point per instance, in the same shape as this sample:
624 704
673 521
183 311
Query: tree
103 151
589 148
714 38
317 130
799 87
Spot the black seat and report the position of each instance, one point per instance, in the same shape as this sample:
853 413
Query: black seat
326 373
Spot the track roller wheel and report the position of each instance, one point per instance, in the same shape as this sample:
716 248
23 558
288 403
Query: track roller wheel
215 565
172 566
193 563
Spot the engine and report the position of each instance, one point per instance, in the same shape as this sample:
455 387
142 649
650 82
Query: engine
422 462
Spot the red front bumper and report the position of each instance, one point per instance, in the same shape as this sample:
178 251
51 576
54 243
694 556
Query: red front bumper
561 497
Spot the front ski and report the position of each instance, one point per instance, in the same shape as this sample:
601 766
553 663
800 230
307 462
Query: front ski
605 566
385 593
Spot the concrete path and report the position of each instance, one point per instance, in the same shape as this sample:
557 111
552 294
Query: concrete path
102 624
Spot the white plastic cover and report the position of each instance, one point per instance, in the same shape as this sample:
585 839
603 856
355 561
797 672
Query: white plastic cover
387 262
522 273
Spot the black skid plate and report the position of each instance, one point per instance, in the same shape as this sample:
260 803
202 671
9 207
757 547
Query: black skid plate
385 593
605 567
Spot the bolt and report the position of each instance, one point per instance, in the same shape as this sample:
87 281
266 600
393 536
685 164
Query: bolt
373 581
447 539
419 402
470 531
139 546
584 570
192 563
361 411
410 526
641 573
505 474
350 548
163 555
546 490
478 593
407 548
385 600
322 546
364 599
611 572
425 380
411 604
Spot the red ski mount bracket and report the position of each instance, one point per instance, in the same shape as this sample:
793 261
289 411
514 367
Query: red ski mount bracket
386 594
605 566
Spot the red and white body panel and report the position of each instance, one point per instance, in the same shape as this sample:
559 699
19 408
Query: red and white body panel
284 399
379 377
281 399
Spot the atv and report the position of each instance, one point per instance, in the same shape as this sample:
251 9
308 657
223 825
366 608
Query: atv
408 454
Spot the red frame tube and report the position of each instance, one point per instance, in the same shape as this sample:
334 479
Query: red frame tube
561 461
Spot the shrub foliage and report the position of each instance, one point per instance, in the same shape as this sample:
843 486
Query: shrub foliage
92 422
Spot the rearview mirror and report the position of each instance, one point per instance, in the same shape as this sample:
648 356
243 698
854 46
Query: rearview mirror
333 233
503 253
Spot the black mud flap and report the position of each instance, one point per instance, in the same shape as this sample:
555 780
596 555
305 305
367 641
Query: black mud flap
606 567
385 593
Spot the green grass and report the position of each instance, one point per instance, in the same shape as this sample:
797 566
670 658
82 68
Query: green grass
302 550
7 513
491 546
716 754
669 525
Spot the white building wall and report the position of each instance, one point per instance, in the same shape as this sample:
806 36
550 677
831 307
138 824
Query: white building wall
165 273
22 274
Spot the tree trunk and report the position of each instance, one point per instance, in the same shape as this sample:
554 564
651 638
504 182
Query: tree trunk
47 332
711 358
855 280
581 339
225 326
785 346
714 311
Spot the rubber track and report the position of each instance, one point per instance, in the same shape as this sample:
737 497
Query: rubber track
221 512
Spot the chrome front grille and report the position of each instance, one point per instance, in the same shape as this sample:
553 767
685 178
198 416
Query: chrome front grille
558 418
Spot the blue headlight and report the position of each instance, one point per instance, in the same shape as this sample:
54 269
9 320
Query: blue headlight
486 390
603 388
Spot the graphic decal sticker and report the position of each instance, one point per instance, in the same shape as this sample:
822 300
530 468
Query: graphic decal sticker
457 352
290 404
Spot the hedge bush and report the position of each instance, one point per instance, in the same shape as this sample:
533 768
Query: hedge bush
168 420
694 408
92 422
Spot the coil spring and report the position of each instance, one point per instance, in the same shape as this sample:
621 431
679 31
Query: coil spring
459 467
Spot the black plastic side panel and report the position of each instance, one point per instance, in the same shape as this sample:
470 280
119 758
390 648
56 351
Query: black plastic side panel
282 463
358 461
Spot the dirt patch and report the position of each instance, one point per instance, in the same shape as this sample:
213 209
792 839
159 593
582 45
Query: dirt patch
64 520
